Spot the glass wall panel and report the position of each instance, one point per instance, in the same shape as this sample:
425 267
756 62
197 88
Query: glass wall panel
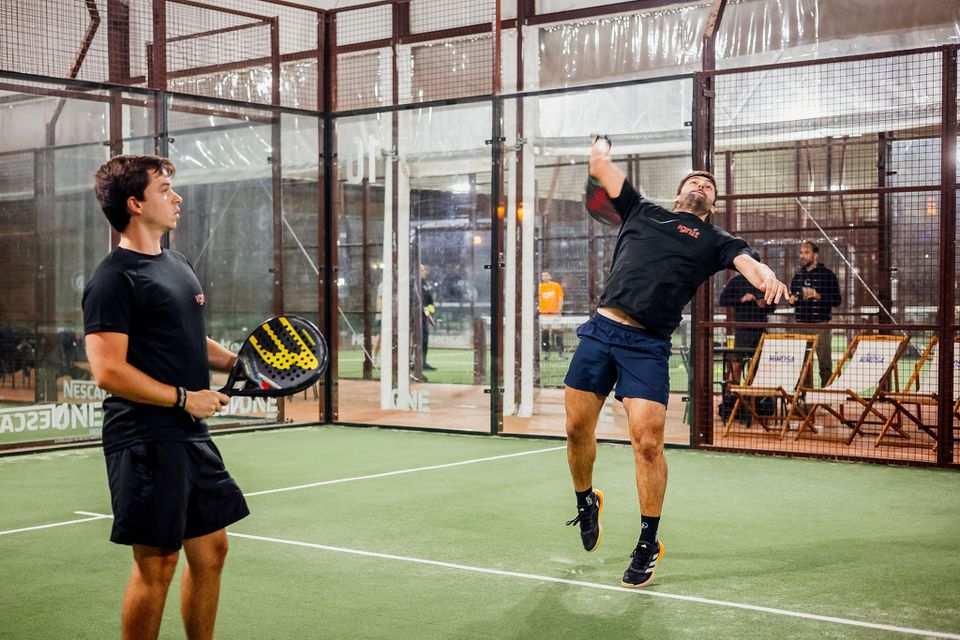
413 234
301 140
551 241
52 235
225 159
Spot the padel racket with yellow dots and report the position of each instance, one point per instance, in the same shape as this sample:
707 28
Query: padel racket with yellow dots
282 356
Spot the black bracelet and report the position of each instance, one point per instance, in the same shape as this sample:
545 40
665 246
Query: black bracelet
181 397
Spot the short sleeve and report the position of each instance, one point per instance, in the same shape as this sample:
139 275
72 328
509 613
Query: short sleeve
628 201
108 301
729 247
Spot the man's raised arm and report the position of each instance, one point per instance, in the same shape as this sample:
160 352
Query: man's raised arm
603 169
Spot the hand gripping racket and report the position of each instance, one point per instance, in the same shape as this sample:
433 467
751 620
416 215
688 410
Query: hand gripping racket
597 201
282 356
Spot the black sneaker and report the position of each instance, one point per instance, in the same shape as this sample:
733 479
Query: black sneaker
427 367
588 517
640 572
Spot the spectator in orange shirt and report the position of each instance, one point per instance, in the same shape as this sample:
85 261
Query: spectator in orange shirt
551 305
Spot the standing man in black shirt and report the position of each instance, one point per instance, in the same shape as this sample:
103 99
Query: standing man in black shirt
147 345
814 291
748 305
661 258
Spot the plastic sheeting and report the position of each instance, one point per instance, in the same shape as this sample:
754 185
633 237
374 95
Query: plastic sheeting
765 31
643 44
670 40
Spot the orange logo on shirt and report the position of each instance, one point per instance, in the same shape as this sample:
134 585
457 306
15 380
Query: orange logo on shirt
693 233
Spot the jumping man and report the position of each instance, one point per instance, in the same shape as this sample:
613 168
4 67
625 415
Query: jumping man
660 260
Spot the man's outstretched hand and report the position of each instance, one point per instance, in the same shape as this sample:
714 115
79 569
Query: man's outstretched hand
773 290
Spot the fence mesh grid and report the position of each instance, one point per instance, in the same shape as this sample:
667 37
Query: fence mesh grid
449 68
49 37
215 48
427 16
365 76
792 144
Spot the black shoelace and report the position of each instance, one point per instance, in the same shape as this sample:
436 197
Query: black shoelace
581 515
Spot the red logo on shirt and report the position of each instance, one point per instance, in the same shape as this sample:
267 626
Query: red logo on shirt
199 298
693 233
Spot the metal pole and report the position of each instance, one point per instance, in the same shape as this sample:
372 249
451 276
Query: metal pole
497 206
701 338
948 253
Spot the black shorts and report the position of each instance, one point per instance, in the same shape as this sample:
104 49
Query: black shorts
165 492
611 354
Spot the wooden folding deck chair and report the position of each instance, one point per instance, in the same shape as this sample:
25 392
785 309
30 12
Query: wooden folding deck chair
921 390
861 375
780 362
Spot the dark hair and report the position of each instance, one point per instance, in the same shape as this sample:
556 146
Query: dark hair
694 174
122 177
813 246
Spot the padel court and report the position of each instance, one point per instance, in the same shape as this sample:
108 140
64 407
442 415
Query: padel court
411 178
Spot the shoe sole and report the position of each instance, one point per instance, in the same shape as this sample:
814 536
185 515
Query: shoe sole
599 526
648 580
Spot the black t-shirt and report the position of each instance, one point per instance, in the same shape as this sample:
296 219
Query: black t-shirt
660 260
824 281
157 302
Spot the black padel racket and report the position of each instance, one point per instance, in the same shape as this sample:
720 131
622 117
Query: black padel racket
597 202
282 356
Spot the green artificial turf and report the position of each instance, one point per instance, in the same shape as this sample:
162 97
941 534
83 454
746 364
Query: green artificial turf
866 543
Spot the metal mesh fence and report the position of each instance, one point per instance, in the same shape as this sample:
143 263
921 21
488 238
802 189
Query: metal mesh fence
448 68
435 15
364 72
215 48
832 172
55 38
364 79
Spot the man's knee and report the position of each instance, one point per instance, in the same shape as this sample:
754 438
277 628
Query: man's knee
211 556
156 569
218 555
580 429
648 446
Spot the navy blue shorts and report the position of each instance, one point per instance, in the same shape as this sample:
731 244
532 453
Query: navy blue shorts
165 492
614 354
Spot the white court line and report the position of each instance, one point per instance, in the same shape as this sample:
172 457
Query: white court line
604 587
97 516
512 574
575 583
402 471
93 516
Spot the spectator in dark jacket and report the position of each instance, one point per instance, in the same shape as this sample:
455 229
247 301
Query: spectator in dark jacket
748 305
814 291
